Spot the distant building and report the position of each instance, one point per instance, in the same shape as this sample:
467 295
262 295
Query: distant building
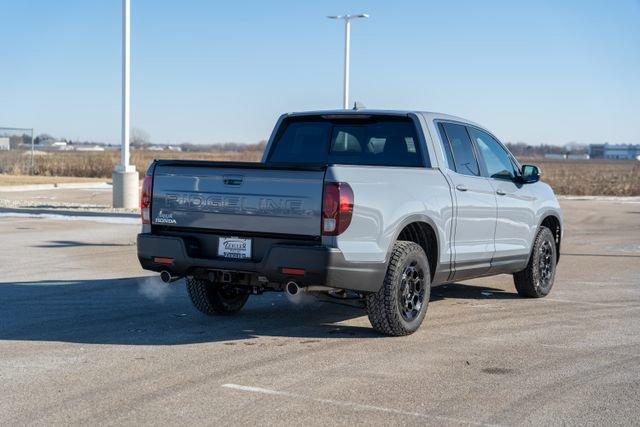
163 148
614 151
5 144
59 145
552 156
52 144
88 148
578 156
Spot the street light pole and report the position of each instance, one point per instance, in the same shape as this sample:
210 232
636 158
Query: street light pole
125 176
347 48
126 83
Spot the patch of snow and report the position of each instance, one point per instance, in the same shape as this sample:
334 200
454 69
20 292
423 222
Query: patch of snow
61 186
103 219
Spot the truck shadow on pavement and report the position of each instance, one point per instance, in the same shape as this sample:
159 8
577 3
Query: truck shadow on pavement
144 311
462 291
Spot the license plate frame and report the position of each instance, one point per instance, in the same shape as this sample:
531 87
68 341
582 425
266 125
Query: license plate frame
232 247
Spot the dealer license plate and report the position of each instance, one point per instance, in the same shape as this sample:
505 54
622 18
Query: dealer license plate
234 247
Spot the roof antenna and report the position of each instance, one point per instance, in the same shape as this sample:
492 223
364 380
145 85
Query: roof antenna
358 106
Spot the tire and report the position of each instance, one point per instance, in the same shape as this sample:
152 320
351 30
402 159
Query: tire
400 305
536 280
212 298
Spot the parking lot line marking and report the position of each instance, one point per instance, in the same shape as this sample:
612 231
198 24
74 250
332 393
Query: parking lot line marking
347 404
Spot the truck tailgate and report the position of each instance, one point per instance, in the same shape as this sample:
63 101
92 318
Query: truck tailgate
238 197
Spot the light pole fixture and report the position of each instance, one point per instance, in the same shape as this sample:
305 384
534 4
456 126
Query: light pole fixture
125 176
347 39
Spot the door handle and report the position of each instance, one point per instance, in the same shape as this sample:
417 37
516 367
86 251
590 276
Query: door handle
500 193
461 187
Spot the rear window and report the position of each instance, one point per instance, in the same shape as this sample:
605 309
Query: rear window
376 140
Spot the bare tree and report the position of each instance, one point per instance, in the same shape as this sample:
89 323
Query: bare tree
139 138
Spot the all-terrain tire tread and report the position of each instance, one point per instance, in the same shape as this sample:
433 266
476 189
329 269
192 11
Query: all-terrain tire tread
210 303
525 280
382 305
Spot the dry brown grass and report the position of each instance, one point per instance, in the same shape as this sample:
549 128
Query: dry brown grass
100 164
591 177
574 177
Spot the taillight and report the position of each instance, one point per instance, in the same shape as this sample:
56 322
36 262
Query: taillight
145 199
337 208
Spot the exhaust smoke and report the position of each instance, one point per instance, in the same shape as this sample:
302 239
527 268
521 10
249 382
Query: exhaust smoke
298 295
153 289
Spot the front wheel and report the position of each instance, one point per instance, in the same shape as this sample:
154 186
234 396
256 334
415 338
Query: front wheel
399 307
536 280
214 298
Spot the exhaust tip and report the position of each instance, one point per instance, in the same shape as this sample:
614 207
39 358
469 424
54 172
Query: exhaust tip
166 277
292 288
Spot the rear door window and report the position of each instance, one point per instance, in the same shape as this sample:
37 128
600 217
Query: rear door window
462 151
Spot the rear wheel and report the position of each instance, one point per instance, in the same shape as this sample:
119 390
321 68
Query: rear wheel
536 280
399 307
214 298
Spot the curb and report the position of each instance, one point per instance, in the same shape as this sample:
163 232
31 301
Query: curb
622 199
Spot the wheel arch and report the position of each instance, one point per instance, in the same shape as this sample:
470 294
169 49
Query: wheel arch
553 223
422 230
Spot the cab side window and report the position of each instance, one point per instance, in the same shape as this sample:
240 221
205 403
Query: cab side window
495 158
462 151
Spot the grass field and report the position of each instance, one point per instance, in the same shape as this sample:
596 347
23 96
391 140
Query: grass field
100 164
570 177
591 177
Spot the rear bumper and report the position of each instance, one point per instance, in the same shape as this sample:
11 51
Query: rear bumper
323 266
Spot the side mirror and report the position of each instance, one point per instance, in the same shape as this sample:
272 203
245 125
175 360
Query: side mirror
530 174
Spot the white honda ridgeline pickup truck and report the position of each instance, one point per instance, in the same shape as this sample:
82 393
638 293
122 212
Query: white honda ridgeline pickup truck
366 207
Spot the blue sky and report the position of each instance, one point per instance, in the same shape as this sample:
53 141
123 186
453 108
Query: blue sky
203 71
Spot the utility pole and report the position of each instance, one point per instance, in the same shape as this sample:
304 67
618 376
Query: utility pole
347 48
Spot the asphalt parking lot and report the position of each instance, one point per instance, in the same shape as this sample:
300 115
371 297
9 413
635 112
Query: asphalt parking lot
87 337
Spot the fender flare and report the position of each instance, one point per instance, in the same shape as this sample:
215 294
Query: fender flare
417 217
